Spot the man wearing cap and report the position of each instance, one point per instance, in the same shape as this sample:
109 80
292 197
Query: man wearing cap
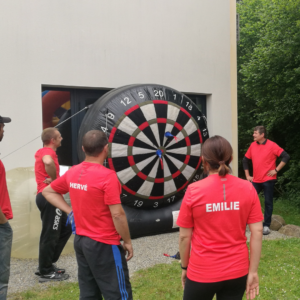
264 153
6 233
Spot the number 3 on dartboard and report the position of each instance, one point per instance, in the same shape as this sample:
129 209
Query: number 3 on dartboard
126 101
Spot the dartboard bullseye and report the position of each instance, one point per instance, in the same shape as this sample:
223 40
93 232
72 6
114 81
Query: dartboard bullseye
155 136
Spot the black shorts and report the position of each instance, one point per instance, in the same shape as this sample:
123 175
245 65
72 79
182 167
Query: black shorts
232 289
102 270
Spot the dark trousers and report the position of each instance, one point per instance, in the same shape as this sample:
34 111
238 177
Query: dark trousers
6 236
232 289
102 270
54 235
268 187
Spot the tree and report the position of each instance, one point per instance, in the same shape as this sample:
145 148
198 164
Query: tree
269 77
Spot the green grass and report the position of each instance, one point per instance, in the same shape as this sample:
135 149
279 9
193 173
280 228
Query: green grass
288 212
279 273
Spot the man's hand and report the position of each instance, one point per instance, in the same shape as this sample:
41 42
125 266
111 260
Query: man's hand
3 219
271 173
183 277
48 180
128 249
250 178
252 286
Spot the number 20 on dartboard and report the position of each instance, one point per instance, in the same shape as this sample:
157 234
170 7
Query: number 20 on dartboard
158 93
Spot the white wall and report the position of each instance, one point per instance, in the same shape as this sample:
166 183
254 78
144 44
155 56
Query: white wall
105 43
188 45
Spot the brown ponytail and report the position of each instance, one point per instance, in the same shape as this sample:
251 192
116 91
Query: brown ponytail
217 152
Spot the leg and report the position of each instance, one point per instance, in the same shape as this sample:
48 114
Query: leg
51 224
258 187
199 290
65 233
87 283
109 268
233 289
268 187
6 235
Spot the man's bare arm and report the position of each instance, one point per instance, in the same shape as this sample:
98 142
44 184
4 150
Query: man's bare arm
56 199
50 167
121 225
185 237
3 219
278 168
252 287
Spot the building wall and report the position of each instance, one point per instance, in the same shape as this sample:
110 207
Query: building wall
187 45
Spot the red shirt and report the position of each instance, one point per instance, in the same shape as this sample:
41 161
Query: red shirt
263 158
92 188
39 167
4 197
218 209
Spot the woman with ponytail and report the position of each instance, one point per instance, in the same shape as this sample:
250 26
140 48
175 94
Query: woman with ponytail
212 219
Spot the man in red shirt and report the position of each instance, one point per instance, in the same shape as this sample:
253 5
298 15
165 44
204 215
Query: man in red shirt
55 234
6 233
100 222
264 154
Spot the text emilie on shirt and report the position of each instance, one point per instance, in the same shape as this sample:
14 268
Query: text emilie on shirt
222 206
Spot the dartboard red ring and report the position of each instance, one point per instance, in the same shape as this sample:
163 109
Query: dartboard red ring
147 178
155 136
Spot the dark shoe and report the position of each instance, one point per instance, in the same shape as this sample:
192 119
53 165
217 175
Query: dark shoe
56 269
53 276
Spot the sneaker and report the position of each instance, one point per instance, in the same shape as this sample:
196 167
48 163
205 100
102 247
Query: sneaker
56 269
266 230
53 276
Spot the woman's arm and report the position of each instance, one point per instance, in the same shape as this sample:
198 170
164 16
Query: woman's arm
252 288
185 237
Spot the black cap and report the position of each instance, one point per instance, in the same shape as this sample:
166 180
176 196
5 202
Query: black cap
5 120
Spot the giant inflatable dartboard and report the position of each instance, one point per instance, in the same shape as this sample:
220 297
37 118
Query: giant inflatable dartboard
155 135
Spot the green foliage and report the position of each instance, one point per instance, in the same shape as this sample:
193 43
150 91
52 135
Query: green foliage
279 272
269 79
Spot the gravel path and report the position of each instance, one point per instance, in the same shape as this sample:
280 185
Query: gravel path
148 251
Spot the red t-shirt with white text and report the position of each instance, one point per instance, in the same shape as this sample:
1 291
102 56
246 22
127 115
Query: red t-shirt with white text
263 158
92 189
39 167
218 209
4 197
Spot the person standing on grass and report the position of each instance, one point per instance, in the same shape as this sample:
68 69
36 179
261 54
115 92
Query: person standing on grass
212 220
100 222
6 233
55 233
264 154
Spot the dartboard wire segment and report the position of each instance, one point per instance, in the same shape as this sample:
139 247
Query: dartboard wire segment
146 164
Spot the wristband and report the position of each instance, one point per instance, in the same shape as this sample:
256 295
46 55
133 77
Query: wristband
183 268
276 170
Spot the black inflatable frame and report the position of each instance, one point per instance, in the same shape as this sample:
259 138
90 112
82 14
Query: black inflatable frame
107 113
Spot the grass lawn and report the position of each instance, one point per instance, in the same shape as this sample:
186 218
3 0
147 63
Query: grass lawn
290 214
279 273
